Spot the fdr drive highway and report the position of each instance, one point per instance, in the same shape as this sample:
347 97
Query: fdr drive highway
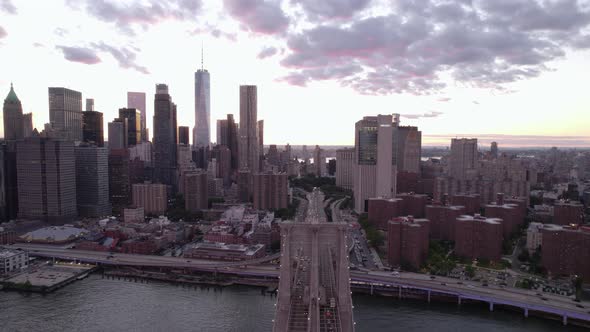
526 301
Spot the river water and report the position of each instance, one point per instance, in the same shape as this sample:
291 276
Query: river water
96 304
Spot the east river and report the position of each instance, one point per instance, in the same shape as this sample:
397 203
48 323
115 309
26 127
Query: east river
96 304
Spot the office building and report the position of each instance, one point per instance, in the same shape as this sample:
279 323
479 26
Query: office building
374 172
137 100
133 117
319 162
46 171
151 197
118 134
92 181
183 135
245 189
13 117
92 127
119 180
201 131
260 129
196 191
28 124
407 242
248 137
407 145
165 137
8 181
344 168
494 150
270 191
65 112
478 237
222 155
464 157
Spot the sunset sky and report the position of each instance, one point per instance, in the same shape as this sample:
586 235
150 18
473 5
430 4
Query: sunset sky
515 71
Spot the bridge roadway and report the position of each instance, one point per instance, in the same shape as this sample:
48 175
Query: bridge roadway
520 298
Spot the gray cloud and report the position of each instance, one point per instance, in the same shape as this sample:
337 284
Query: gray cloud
259 16
124 56
143 14
79 54
479 43
7 6
431 114
267 52
331 8
89 55
444 99
3 33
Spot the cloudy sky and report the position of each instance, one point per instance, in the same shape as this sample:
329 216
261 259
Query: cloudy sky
512 70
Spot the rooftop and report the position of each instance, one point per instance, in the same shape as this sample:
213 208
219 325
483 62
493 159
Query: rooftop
54 234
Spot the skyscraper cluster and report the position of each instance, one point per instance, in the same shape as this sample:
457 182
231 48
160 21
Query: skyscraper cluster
70 170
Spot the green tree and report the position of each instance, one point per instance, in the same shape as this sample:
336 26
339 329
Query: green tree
470 271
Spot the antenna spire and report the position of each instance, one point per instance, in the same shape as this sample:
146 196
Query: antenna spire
202 55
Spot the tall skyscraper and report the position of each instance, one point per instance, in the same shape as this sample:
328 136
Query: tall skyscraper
183 135
118 134
319 162
8 181
13 117
494 150
201 131
89 104
28 124
344 168
260 129
165 137
464 157
65 112
227 135
249 144
374 170
196 195
137 100
119 181
407 146
92 181
222 132
46 179
133 117
92 127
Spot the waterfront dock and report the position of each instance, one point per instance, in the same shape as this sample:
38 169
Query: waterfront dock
47 278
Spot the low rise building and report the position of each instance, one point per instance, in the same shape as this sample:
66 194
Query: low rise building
54 235
407 242
478 237
7 236
133 214
224 252
13 260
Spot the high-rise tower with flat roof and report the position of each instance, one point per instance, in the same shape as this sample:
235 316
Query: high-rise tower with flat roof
65 112
248 131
